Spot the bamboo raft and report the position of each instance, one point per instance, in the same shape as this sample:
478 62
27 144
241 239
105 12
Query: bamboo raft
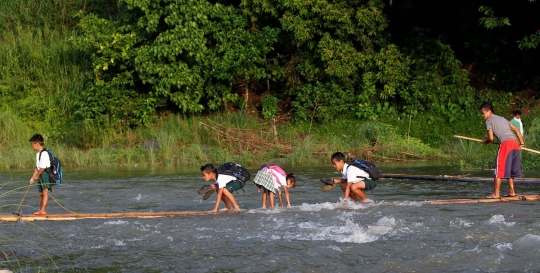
64 217
519 197
457 178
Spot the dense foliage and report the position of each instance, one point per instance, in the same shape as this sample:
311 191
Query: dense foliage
78 69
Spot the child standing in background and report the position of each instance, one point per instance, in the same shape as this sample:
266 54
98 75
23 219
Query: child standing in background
270 179
516 121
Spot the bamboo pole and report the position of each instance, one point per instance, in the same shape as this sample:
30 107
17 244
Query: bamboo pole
479 140
447 178
531 197
64 217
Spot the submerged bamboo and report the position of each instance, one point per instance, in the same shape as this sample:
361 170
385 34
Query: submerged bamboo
531 197
457 178
63 217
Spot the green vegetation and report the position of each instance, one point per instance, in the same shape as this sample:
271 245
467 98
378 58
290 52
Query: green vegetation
181 82
177 141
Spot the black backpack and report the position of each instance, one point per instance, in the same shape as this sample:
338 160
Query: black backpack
235 170
368 167
55 170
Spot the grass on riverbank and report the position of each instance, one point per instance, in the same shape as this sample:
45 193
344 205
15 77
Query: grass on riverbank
238 137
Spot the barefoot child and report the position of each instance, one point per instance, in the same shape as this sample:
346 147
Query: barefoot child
225 184
40 176
356 179
507 162
270 179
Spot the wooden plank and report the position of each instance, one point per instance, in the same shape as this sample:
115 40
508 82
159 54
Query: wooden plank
530 197
456 178
64 217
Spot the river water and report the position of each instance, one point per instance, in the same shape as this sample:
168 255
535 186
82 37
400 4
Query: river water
396 233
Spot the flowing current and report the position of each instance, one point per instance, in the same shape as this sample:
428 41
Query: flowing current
396 233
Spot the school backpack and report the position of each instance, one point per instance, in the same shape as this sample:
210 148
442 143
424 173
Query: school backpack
235 170
367 166
55 171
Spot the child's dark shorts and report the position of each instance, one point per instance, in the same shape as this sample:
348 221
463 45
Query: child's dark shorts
235 185
370 184
43 182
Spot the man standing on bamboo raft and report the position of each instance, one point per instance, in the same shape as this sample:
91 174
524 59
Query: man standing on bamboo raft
507 161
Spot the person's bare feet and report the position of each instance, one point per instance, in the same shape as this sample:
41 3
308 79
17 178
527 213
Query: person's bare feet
40 213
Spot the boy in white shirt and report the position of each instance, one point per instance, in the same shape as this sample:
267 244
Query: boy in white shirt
42 162
356 179
226 184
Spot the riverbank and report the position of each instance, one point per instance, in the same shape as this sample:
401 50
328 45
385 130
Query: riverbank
239 137
177 141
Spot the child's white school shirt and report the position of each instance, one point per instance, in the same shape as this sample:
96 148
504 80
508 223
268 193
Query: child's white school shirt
44 162
353 174
223 179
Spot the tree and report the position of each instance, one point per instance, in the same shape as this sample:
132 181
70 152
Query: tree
335 54
187 53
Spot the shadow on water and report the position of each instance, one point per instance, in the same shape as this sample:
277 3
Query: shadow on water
318 234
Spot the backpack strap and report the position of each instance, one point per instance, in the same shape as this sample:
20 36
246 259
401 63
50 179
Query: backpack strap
44 150
348 165
48 169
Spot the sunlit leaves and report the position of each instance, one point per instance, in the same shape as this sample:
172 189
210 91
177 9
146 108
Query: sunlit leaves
530 42
491 21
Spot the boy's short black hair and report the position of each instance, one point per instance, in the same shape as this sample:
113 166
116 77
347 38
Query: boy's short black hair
339 156
209 168
37 138
517 112
487 105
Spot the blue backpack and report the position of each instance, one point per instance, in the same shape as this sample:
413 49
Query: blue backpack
368 167
55 171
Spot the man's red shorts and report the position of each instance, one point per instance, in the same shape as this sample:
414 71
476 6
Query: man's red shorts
508 163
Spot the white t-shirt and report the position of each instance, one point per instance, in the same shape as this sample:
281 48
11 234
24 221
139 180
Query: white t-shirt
44 162
353 174
223 179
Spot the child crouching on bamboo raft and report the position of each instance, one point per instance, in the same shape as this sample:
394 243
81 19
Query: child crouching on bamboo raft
225 184
270 178
356 180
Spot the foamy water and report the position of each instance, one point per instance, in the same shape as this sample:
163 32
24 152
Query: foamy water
396 233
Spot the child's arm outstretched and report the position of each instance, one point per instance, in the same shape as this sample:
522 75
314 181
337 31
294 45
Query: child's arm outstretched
218 199
279 197
287 197
347 192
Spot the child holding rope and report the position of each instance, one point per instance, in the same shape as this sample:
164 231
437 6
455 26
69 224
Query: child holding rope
42 163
